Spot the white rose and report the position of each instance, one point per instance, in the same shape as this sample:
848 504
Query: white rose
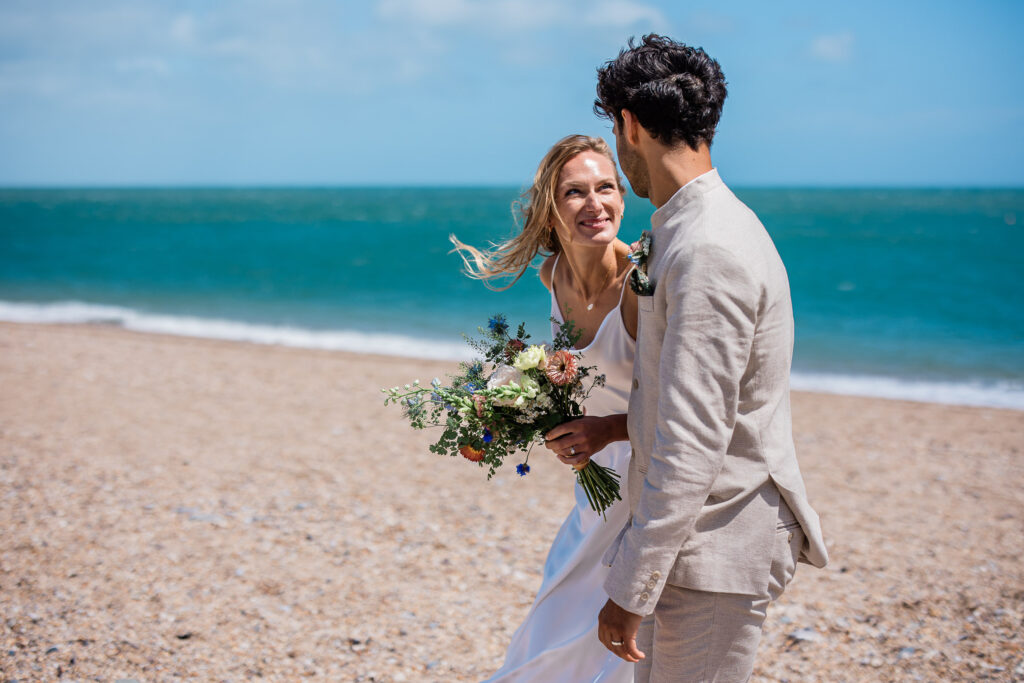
503 376
530 357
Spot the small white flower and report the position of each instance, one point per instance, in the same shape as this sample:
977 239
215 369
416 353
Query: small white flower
530 387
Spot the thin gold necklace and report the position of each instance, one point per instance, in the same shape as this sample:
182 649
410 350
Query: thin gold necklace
608 279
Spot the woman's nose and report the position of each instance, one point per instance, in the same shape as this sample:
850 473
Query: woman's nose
592 202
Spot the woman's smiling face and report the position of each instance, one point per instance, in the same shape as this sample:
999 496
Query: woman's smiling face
588 201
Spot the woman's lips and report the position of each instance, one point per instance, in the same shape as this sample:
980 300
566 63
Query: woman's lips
595 223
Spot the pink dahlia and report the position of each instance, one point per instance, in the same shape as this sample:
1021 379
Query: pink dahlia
561 368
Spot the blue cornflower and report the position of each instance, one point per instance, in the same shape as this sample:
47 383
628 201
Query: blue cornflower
498 324
471 387
634 258
522 469
476 368
488 437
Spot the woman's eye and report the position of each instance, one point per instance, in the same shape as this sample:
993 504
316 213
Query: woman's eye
571 191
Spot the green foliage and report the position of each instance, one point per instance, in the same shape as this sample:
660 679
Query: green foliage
514 413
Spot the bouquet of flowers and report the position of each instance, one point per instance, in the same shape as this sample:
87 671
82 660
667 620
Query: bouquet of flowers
506 401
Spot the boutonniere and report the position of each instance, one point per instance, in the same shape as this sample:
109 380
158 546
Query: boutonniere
639 252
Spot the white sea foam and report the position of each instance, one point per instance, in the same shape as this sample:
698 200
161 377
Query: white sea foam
996 394
1000 394
74 312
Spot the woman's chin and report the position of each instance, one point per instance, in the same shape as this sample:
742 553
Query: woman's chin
597 238
583 237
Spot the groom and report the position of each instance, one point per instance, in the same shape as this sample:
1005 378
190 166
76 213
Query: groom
719 512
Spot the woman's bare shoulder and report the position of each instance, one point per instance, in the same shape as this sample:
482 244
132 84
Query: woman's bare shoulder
547 269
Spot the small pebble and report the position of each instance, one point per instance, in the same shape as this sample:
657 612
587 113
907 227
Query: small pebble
806 635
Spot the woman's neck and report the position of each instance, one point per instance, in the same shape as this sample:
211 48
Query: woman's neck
592 269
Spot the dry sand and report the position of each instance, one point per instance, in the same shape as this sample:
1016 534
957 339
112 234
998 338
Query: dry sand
175 508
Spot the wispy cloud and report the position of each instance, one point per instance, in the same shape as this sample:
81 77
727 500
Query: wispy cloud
429 12
524 33
834 47
711 22
624 14
153 66
503 16
55 48
61 49
183 29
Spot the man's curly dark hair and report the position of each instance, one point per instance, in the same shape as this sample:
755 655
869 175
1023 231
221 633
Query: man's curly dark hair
675 91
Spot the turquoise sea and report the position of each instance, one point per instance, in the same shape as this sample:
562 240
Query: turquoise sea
903 293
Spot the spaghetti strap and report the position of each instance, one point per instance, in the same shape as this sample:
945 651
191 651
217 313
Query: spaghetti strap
625 282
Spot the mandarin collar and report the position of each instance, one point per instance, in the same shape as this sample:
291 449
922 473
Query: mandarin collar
687 193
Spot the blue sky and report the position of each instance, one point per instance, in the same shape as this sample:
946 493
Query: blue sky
442 92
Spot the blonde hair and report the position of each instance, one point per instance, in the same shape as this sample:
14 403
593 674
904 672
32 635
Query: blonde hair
535 211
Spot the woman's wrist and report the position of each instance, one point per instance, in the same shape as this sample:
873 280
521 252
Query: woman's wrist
615 427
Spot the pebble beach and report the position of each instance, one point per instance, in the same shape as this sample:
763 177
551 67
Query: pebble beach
186 509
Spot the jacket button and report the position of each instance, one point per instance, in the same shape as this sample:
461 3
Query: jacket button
790 535
651 584
644 596
636 383
655 575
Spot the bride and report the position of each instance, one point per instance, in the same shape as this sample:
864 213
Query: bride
572 214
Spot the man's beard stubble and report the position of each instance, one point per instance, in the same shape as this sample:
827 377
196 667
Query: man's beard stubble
634 168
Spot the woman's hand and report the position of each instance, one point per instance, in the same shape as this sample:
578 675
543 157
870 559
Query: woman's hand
574 442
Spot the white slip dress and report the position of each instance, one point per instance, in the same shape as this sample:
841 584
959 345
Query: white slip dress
558 640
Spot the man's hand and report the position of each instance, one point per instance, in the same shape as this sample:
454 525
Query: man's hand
617 630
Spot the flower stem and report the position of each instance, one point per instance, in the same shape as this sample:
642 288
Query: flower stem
601 486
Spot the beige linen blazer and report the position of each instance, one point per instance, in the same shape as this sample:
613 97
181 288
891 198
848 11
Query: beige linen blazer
709 414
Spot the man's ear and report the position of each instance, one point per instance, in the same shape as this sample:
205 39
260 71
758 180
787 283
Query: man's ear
630 127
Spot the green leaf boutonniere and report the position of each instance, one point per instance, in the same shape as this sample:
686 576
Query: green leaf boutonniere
640 251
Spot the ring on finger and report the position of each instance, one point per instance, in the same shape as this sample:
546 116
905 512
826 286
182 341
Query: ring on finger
617 643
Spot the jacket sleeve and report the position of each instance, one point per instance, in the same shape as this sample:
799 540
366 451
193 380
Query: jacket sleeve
710 309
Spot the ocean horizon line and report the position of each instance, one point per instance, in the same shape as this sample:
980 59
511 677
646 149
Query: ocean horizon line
200 186
1006 394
